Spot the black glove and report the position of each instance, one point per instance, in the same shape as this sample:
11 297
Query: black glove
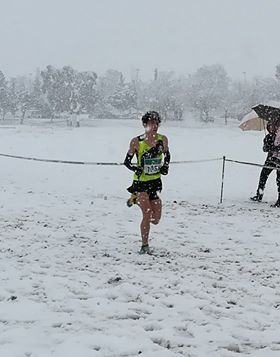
127 162
164 169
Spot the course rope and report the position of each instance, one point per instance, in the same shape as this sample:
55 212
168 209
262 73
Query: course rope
120 163
196 161
94 162
224 159
252 164
60 161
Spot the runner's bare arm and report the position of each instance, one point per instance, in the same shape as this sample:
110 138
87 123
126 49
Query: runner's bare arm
133 146
133 149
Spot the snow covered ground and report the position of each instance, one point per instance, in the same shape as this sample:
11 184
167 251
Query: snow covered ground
72 282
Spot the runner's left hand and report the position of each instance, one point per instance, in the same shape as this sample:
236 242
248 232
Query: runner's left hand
164 169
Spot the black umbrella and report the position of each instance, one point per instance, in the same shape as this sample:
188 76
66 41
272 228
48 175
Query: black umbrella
267 112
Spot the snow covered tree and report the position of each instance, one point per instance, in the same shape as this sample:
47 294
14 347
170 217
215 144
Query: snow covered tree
277 76
107 86
59 87
124 98
69 91
26 102
277 72
4 96
242 96
50 88
14 100
208 88
163 94
88 95
39 100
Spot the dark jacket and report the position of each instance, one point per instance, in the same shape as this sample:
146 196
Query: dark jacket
268 143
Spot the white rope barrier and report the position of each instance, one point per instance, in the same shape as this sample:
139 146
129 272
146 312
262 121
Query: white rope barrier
277 168
253 164
196 161
61 161
224 159
96 163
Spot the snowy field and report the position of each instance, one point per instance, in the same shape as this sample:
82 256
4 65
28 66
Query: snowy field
72 282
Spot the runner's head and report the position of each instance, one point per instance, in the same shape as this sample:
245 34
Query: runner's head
151 121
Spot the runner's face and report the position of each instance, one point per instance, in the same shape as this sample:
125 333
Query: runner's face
152 126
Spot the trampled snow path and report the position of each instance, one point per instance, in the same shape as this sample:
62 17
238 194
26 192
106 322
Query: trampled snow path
73 285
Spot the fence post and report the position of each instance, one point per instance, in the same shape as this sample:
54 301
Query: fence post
223 177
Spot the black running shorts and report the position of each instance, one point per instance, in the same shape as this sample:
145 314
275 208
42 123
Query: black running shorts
151 187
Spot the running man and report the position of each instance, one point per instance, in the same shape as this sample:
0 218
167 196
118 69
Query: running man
149 148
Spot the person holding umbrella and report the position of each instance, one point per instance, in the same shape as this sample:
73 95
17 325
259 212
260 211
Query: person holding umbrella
271 161
276 158
272 146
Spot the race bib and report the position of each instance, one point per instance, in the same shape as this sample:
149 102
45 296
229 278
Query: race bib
152 166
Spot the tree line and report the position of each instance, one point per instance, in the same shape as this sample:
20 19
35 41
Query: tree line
207 93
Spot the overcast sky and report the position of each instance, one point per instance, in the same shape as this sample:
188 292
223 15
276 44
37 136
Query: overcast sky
177 35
